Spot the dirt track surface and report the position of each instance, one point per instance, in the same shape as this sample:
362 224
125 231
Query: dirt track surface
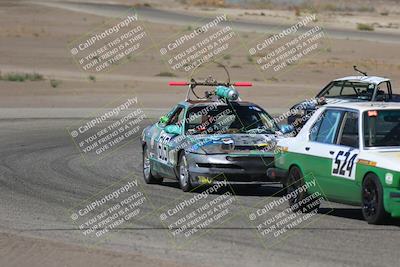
179 18
42 176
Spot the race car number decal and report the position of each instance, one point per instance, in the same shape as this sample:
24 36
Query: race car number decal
162 153
343 164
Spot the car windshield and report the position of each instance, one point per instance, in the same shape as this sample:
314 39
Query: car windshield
233 118
348 89
382 128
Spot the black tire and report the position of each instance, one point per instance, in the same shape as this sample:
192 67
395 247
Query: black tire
184 174
252 187
295 181
372 200
148 175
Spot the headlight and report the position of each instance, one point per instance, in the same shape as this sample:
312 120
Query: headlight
213 149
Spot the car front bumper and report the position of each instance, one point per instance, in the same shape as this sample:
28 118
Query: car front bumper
392 201
235 168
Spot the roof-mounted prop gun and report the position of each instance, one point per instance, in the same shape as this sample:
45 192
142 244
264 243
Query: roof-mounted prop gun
223 90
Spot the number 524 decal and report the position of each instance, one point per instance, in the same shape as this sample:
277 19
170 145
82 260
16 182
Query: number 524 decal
343 164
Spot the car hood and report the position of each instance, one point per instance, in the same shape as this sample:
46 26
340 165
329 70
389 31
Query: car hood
233 143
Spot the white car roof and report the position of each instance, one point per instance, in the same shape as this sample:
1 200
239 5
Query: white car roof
363 106
365 79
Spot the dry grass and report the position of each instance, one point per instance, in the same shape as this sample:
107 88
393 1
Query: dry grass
364 27
21 77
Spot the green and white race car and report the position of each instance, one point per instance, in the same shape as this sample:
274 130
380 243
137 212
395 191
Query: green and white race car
352 150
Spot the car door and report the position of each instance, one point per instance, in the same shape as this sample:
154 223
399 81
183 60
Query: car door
344 159
162 143
154 135
320 148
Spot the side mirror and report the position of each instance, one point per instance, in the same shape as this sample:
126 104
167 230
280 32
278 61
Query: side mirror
286 128
173 129
163 120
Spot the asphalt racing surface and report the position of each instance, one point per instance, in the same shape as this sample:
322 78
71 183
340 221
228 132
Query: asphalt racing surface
42 176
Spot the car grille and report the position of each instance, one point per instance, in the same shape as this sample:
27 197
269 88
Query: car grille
216 165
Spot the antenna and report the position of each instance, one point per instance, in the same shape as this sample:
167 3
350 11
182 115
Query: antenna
359 71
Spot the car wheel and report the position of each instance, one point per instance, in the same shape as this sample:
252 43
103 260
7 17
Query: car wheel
148 176
372 200
294 183
184 174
